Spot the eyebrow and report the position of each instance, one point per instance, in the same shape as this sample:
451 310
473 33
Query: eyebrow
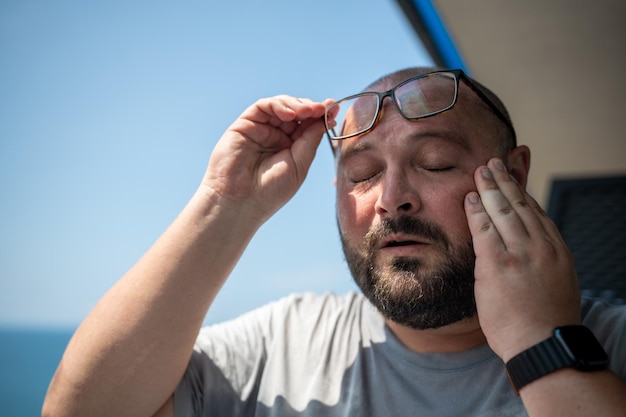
445 134
358 147
441 134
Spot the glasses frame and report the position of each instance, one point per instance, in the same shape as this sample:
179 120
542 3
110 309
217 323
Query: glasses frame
458 75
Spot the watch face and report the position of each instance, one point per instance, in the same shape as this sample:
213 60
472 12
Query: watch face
583 347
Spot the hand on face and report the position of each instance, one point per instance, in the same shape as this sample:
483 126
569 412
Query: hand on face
264 156
526 284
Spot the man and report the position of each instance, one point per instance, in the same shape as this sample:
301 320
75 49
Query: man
464 269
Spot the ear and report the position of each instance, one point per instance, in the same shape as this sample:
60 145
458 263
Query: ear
518 162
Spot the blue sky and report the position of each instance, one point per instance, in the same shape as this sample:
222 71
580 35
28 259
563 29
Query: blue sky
108 114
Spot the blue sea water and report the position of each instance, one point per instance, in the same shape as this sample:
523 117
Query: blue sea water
28 359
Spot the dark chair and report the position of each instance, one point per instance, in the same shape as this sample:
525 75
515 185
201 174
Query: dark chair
591 215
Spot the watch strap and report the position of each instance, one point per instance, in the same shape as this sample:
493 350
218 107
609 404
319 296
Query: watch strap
539 360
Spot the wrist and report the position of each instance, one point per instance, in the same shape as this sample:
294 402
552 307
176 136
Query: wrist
525 341
234 212
215 224
569 347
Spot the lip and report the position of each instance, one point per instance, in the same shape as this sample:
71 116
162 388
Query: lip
407 251
402 243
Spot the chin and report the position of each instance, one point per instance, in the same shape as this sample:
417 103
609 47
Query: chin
413 295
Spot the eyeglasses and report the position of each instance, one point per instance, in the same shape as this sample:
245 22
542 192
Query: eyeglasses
421 96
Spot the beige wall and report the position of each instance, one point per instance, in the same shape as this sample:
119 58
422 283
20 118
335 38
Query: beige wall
560 67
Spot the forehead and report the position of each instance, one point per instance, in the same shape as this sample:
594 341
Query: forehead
461 123
391 82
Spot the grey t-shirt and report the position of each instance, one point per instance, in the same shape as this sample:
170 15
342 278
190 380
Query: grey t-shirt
311 355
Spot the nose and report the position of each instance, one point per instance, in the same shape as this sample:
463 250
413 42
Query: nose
397 195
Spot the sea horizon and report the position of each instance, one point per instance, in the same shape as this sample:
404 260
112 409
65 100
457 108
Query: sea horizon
29 355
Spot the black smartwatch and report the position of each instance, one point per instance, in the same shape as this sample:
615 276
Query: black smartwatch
570 346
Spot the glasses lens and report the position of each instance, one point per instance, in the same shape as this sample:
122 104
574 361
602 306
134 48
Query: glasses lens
353 115
427 95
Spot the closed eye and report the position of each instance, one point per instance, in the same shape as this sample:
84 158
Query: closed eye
438 169
363 178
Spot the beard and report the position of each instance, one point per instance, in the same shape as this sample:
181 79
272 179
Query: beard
405 289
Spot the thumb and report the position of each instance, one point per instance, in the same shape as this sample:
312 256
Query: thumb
305 147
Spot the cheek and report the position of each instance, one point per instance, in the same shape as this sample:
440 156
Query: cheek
355 214
447 209
443 205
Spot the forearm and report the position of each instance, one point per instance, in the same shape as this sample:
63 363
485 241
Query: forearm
572 393
131 351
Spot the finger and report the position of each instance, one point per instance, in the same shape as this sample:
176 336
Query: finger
485 236
302 108
304 132
279 109
273 123
309 113
547 225
305 145
289 127
499 208
524 205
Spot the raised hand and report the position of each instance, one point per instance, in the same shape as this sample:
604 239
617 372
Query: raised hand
264 156
526 284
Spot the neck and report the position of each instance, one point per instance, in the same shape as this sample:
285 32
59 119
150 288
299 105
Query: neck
456 337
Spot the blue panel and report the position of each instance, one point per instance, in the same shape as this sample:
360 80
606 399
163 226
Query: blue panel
439 34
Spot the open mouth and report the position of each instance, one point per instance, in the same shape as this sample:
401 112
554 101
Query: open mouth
395 243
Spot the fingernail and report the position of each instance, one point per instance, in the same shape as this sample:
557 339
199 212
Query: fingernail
499 165
486 172
473 198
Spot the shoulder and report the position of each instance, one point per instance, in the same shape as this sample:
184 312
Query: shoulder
295 313
327 303
317 311
608 323
604 318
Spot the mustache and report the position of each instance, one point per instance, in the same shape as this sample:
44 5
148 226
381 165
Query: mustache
406 225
